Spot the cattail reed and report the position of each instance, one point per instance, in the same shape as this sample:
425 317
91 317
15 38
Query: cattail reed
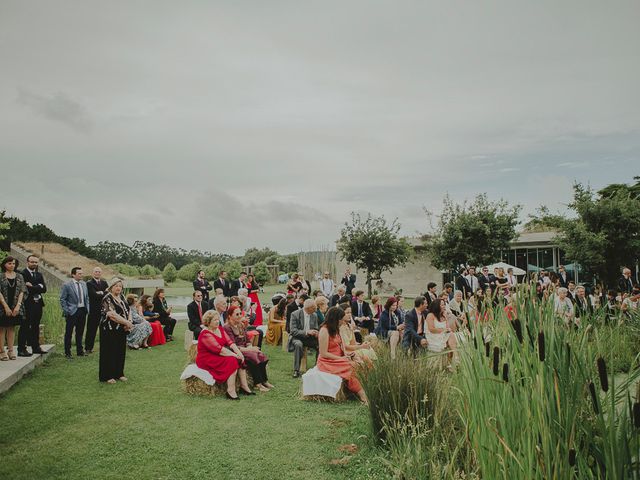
568 352
572 456
541 346
594 398
636 414
487 349
517 326
505 372
496 360
475 342
602 373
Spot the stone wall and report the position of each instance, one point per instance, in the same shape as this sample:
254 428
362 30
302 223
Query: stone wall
52 276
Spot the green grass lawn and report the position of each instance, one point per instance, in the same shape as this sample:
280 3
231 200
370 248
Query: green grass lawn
61 423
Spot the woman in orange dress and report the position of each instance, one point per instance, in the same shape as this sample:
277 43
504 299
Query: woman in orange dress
332 358
276 322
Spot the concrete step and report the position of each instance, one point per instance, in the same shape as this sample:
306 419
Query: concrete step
13 370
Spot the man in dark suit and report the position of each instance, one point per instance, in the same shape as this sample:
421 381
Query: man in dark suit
430 295
626 282
195 310
203 286
74 300
340 297
462 284
349 281
29 332
412 340
97 288
293 307
361 312
487 280
223 283
563 276
304 333
583 307
236 285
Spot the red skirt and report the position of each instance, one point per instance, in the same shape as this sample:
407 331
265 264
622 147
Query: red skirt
157 335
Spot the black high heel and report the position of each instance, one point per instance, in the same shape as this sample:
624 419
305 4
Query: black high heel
230 397
244 392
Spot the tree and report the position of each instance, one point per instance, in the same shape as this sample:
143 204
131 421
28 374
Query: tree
149 271
254 255
261 273
189 272
373 245
605 236
472 233
4 226
211 271
169 274
233 268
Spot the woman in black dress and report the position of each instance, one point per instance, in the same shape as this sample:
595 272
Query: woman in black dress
160 307
115 322
12 293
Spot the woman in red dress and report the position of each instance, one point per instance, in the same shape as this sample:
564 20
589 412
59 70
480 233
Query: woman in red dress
253 288
145 308
219 356
332 358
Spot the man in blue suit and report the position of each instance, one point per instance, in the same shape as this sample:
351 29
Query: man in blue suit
413 338
74 300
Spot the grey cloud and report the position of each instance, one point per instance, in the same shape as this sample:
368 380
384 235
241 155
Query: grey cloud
58 107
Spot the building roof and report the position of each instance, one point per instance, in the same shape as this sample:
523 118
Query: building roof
536 238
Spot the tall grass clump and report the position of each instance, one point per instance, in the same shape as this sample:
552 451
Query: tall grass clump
52 319
413 416
557 412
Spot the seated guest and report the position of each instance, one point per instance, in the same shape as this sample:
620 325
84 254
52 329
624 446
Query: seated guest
563 307
340 296
218 355
243 301
390 326
376 308
195 311
276 322
332 357
362 314
115 322
160 306
303 333
294 285
138 336
583 306
293 307
437 331
412 338
219 304
630 304
145 308
401 312
456 307
363 351
323 305
255 360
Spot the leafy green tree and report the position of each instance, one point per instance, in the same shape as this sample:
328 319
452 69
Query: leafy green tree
261 272
4 226
233 269
254 255
472 233
605 236
149 271
373 245
189 272
169 274
127 270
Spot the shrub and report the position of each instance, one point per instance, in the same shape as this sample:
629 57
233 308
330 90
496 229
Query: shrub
233 269
189 272
169 274
125 269
149 271
261 272
211 271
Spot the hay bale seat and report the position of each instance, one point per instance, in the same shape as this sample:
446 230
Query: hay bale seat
324 387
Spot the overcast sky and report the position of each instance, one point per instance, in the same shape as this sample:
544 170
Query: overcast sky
226 125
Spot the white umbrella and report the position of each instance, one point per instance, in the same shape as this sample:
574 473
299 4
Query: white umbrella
506 266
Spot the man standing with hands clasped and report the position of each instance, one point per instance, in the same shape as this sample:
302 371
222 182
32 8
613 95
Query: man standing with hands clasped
349 281
97 288
29 332
304 333
74 300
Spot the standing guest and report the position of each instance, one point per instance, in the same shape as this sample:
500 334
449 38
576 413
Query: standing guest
412 338
160 306
218 355
512 280
472 280
501 283
571 290
323 305
362 312
139 335
448 290
544 279
332 357
487 280
293 307
74 300
276 323
294 285
363 350
583 306
255 360
625 283
145 308
340 296
238 284
327 285
349 281
430 295
612 307
97 289
195 311
202 285
462 283
222 283
390 326
29 332
563 276
253 288
304 333
12 293
115 322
